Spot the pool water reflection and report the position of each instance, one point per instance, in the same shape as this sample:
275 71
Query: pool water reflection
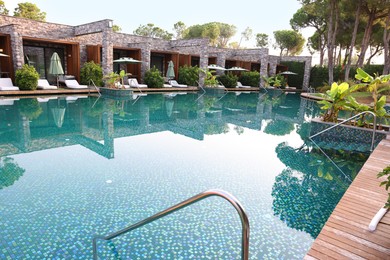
73 168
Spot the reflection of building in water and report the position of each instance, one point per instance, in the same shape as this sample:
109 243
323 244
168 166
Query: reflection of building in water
95 122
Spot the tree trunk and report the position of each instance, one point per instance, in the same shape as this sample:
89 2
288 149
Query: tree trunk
386 41
332 22
373 54
353 40
366 38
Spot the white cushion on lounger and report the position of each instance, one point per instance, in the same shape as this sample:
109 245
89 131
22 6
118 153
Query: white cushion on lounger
72 83
44 84
6 84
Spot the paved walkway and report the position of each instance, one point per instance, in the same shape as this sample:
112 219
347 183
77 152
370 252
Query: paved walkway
345 234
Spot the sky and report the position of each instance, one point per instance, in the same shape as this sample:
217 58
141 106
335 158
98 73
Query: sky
262 16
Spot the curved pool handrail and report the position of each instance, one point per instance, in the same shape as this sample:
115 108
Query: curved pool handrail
214 192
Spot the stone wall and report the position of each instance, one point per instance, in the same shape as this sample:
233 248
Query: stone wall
93 27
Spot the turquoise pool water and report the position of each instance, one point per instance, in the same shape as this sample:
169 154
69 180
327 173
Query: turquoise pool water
73 168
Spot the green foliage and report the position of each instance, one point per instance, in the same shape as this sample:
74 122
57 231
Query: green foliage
153 78
297 67
218 33
250 78
289 41
26 78
116 28
210 79
262 40
3 10
335 100
150 30
278 81
188 75
30 108
229 80
10 172
112 79
375 85
179 28
386 183
91 71
30 11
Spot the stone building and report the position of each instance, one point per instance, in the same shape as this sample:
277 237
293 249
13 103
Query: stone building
33 42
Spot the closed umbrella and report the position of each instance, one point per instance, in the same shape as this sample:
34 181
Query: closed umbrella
170 70
55 67
58 115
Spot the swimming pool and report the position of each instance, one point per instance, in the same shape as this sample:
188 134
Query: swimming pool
73 168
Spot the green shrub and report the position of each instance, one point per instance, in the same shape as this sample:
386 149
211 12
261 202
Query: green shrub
210 79
26 78
228 80
91 71
250 78
153 78
188 75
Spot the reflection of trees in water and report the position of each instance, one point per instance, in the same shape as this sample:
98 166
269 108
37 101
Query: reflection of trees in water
279 127
29 108
307 191
9 172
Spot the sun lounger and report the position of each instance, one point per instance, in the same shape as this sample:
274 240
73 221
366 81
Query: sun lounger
72 83
175 84
239 85
6 85
134 84
44 84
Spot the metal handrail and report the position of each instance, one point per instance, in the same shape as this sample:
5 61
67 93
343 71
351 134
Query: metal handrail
214 192
349 119
93 83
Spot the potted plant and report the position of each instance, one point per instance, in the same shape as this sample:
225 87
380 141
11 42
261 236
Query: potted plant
114 85
341 97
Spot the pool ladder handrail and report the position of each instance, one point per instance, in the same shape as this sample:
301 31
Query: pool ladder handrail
213 192
349 119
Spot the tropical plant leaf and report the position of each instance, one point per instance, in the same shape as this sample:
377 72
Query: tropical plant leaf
363 76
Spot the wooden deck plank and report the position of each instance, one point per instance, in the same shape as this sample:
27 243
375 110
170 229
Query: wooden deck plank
351 245
346 234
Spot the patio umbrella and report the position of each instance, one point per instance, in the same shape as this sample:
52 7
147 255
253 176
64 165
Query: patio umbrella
237 69
288 73
170 70
55 67
126 60
215 67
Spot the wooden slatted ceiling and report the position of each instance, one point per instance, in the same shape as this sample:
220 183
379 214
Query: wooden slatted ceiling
345 234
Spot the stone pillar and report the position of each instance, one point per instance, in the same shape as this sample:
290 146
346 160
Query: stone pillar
306 77
203 62
107 51
17 47
263 67
145 57
221 61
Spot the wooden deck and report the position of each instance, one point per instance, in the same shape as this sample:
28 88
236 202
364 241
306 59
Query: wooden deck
345 234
